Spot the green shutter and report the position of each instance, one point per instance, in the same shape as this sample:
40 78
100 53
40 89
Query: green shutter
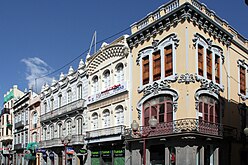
95 161
119 161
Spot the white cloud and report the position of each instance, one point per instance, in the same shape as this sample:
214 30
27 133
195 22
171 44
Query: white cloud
37 68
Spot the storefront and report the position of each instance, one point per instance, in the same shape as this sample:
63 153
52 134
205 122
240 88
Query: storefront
108 157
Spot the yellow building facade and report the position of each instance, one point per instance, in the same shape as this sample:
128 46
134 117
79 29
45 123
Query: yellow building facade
189 74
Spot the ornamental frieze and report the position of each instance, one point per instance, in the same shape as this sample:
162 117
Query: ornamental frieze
209 85
186 78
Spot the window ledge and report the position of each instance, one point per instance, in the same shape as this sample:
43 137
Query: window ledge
243 97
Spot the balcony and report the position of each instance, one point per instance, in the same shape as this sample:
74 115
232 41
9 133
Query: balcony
50 143
77 139
19 124
63 110
5 111
105 132
178 127
18 146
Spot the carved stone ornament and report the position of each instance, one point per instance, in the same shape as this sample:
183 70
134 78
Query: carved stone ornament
157 86
186 78
199 37
209 85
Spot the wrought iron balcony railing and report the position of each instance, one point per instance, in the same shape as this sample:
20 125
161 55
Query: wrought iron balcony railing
181 126
19 124
110 131
63 110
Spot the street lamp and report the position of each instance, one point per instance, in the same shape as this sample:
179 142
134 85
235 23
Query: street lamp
65 140
135 127
246 131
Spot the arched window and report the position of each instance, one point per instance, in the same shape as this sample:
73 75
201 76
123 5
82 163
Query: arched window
34 137
60 130
52 103
95 85
44 133
106 79
68 127
51 131
60 100
69 96
80 91
94 120
106 118
119 115
209 109
80 126
45 107
160 107
119 74
35 120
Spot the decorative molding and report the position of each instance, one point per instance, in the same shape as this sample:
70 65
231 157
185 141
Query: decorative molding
186 78
180 14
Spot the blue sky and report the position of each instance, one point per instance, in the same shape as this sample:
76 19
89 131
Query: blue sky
40 36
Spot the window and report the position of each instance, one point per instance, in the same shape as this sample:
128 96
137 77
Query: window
94 120
160 108
60 100
34 137
95 85
145 65
106 79
80 126
60 131
51 132
200 60
106 118
242 80
209 63
119 74
69 96
119 115
52 103
156 65
68 127
209 109
80 92
44 134
35 120
45 107
168 60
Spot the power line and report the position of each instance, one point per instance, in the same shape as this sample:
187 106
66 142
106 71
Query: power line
62 67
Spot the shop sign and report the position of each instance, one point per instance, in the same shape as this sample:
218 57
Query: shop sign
95 154
69 150
51 155
119 153
106 154
83 151
41 150
107 93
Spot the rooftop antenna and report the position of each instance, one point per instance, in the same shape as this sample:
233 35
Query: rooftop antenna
93 41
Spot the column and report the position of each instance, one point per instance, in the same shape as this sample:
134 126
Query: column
136 157
167 156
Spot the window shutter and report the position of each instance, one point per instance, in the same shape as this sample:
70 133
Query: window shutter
209 65
217 69
156 66
145 70
168 61
242 81
200 60
169 112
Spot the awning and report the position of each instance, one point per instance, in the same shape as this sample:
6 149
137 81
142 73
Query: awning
32 146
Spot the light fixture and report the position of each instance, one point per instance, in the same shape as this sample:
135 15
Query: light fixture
246 131
135 126
153 122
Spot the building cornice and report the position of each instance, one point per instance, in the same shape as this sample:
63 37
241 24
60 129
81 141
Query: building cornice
184 12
